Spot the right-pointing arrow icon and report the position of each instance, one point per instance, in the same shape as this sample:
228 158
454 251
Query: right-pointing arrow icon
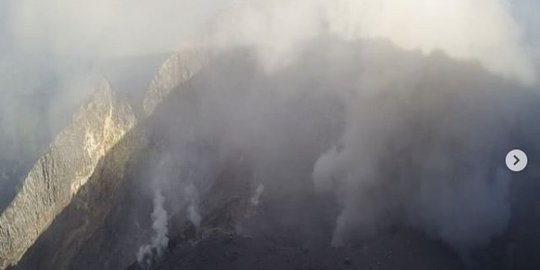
516 160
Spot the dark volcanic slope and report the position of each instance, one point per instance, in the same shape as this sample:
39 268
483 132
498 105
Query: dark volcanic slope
390 251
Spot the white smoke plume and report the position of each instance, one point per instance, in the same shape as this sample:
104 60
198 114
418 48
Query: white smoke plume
192 198
256 197
148 253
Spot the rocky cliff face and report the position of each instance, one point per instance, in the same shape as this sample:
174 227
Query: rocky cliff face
67 165
71 189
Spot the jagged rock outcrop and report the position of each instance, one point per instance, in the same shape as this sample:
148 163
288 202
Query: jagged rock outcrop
175 71
67 165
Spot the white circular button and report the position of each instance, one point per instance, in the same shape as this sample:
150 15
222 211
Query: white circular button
516 160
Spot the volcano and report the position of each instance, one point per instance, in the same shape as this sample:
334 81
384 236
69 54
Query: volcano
356 155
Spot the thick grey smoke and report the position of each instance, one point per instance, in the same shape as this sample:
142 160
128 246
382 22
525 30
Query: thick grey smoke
279 28
399 138
421 156
405 141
